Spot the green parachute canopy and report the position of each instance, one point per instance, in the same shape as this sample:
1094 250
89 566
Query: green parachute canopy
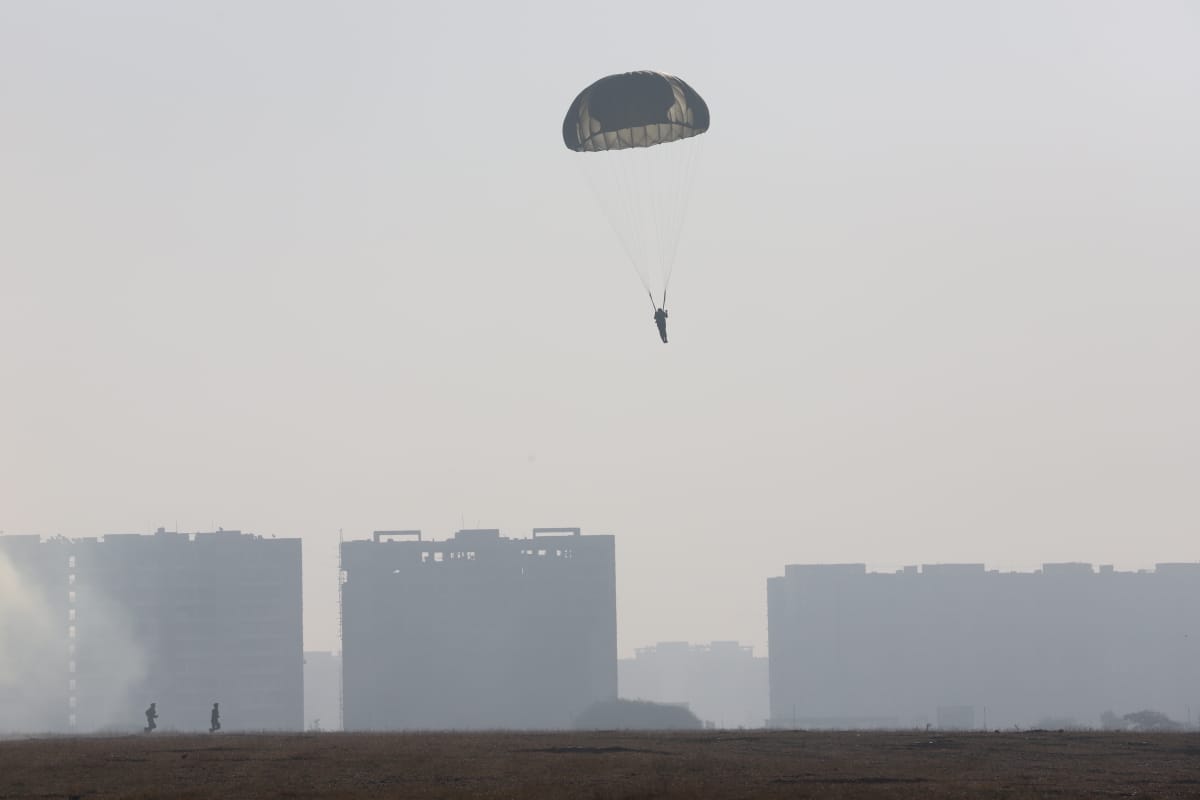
634 109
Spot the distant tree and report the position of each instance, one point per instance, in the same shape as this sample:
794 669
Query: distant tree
636 715
1152 721
1061 724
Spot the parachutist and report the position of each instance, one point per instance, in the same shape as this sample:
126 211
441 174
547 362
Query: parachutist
644 194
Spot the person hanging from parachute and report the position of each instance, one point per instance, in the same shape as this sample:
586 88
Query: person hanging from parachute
639 130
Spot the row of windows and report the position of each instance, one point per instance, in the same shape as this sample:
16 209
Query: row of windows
439 556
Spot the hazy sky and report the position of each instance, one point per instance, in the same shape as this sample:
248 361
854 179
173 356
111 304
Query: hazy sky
298 267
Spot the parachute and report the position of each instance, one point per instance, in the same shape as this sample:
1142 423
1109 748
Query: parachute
637 136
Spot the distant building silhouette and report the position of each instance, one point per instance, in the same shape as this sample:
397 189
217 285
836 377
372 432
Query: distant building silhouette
957 645
181 618
322 690
723 683
479 631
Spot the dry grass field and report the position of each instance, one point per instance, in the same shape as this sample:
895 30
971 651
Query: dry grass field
742 764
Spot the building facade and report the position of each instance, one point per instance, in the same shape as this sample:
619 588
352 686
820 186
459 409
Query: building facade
964 646
180 620
722 683
478 631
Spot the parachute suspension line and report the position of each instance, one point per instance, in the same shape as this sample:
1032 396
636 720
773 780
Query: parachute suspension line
672 181
675 224
615 201
636 222
644 193
631 227
652 184
643 217
690 152
648 183
645 171
657 215
678 203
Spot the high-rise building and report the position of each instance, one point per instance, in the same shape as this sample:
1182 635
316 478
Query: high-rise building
179 620
478 631
722 683
962 646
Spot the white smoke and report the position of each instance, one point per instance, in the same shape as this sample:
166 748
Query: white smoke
37 652
33 648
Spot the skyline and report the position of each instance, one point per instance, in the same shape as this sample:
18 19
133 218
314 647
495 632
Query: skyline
1054 569
483 631
297 269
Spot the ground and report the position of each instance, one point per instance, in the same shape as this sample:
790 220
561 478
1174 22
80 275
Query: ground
604 765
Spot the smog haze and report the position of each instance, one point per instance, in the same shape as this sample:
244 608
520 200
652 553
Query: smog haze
301 268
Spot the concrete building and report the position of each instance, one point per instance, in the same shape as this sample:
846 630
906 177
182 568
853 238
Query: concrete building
181 620
478 631
722 683
959 645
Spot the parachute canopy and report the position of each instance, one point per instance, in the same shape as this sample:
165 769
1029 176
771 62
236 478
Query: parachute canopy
634 109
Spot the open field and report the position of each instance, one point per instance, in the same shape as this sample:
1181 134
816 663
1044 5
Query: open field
744 764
